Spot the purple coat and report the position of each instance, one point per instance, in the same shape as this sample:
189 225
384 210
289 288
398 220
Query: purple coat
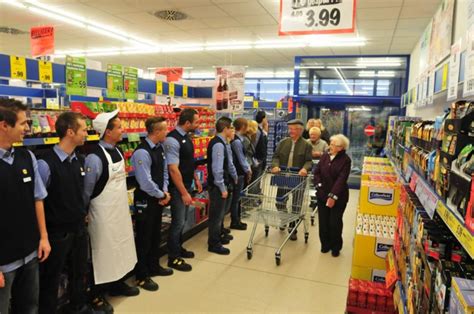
331 177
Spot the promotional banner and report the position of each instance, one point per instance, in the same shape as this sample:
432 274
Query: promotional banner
130 82
230 88
442 30
469 65
115 81
454 65
303 17
172 74
76 76
42 41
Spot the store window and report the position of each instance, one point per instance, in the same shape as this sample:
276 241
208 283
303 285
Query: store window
364 88
273 90
336 87
384 88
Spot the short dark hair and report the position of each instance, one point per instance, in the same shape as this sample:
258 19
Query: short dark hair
240 123
110 124
9 109
68 120
151 122
223 123
260 116
186 115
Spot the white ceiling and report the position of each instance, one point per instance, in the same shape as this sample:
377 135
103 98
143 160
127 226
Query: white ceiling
390 27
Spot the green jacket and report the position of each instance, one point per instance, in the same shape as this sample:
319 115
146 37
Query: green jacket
302 154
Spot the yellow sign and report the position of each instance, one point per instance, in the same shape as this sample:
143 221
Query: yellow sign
94 137
255 104
45 71
279 105
159 87
444 82
459 230
51 140
17 144
17 68
171 89
185 91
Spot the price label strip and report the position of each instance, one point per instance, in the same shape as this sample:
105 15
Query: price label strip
17 68
255 104
45 70
159 87
185 91
50 140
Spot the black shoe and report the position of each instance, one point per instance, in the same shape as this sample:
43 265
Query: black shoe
238 226
219 250
122 289
161 271
186 254
179 264
335 253
85 309
228 237
148 284
225 241
293 237
324 250
225 231
100 304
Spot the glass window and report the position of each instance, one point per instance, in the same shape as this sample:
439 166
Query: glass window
336 87
364 87
273 90
384 87
251 86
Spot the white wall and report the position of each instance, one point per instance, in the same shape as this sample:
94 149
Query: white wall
460 29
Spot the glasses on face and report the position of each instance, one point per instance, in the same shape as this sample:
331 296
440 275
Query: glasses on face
334 145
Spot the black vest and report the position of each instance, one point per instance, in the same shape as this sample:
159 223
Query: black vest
186 158
157 168
64 206
116 157
210 176
238 166
19 233
261 147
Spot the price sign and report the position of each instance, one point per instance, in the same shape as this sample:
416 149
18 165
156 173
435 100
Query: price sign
316 17
50 140
159 87
185 91
279 105
17 68
171 89
431 203
115 81
45 70
414 180
94 137
76 76
255 104
444 82
454 64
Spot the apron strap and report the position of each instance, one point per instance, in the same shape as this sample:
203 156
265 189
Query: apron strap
107 155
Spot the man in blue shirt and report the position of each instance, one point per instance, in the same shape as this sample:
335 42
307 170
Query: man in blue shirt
23 235
243 170
151 195
221 175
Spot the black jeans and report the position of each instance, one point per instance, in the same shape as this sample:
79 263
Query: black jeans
330 225
148 227
217 209
71 249
22 288
179 213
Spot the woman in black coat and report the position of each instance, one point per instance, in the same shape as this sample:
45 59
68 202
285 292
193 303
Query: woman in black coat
330 179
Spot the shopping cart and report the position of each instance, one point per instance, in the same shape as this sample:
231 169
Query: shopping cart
276 200
314 200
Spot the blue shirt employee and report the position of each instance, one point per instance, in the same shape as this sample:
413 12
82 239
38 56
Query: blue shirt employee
218 164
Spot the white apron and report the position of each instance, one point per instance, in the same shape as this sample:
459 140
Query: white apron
110 227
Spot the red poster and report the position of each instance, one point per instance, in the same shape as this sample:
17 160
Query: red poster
172 74
42 41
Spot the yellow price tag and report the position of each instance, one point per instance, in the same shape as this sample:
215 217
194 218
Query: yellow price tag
159 87
51 140
171 89
444 82
45 71
94 137
279 105
17 144
17 67
185 91
255 104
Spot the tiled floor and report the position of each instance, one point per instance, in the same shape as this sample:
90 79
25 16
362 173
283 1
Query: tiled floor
306 280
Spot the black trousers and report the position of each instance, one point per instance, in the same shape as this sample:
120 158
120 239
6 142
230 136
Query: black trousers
330 225
217 209
148 228
71 249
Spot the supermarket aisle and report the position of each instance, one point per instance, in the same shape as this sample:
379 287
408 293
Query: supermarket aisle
306 281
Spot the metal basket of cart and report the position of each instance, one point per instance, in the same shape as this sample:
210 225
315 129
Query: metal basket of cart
276 200
314 200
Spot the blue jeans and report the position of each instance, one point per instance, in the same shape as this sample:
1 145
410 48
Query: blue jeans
235 201
179 213
217 208
22 287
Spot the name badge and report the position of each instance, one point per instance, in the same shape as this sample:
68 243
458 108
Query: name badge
27 179
184 141
83 173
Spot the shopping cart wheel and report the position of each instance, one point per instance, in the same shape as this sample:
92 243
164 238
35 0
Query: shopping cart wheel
267 228
249 253
278 259
312 221
306 236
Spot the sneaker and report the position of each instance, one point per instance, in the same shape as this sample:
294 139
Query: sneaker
238 226
293 237
147 284
219 250
179 264
186 254
100 304
161 271
335 253
225 230
122 289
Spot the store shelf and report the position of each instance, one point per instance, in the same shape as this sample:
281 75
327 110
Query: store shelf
49 140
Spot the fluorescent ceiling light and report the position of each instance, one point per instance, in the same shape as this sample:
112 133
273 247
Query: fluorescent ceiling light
56 17
107 33
349 90
379 74
284 74
347 67
310 67
182 49
13 3
380 65
229 47
279 46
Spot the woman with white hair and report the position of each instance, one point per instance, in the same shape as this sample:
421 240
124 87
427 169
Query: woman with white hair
324 132
318 144
330 179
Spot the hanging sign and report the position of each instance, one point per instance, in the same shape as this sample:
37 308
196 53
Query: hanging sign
17 68
45 70
469 65
159 87
76 76
130 82
172 74
305 17
42 41
230 89
454 66
171 89
115 81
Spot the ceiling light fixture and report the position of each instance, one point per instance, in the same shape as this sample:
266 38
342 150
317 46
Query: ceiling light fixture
56 17
13 3
349 90
228 47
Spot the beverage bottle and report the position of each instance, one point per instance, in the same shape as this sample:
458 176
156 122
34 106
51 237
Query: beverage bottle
225 95
219 95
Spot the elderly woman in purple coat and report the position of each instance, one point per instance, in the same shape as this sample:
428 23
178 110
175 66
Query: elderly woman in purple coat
330 179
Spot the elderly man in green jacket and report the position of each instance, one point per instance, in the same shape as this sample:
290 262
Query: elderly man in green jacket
296 153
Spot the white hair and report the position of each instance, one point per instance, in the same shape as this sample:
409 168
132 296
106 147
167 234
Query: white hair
315 129
342 140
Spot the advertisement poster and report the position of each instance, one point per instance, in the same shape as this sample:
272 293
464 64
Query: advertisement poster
42 41
229 88
431 82
303 17
441 34
130 82
115 81
76 76
454 66
172 74
469 65
425 48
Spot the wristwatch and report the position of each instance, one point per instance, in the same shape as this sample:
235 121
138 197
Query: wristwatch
334 197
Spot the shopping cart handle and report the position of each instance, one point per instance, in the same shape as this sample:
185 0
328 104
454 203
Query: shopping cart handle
290 169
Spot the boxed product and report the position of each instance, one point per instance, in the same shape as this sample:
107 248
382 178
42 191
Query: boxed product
462 296
368 273
379 197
